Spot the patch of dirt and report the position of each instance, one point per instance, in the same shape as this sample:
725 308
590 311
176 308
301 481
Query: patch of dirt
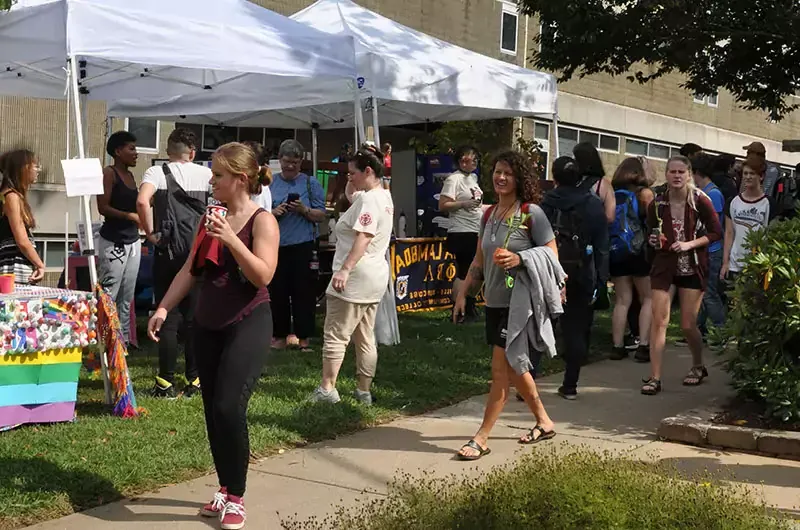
744 413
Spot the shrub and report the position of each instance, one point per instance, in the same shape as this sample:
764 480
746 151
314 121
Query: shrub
547 491
765 320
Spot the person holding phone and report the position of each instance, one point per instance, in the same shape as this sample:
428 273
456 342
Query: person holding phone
298 202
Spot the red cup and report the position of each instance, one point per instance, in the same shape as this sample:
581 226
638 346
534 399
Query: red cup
216 209
6 283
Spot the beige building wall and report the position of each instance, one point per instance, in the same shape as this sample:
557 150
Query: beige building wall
660 114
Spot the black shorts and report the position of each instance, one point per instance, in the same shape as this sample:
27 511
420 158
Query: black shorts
688 282
463 246
496 324
637 266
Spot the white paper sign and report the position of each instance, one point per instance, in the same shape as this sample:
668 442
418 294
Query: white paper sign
83 176
82 241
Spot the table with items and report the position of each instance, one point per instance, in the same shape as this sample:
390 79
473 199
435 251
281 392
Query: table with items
43 333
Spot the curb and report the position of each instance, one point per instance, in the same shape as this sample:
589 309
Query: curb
694 427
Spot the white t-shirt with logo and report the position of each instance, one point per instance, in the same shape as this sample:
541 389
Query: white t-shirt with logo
372 212
746 216
461 187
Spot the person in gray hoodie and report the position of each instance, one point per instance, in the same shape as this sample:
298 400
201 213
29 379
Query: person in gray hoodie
578 220
514 225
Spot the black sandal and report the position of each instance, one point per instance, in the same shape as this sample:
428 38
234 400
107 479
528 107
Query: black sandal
695 376
652 386
543 436
472 444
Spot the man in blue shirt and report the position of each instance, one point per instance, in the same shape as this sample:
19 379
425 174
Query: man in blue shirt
298 202
713 306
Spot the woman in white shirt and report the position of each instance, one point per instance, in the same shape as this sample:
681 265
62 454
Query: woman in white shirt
461 197
360 277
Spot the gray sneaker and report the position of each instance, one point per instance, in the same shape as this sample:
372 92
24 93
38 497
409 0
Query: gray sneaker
325 396
364 398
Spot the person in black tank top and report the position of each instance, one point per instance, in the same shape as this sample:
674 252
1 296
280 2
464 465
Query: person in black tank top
119 249
236 255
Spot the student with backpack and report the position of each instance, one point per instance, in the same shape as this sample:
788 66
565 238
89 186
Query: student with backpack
629 267
178 192
578 221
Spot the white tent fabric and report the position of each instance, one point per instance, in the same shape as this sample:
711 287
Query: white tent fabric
168 49
414 77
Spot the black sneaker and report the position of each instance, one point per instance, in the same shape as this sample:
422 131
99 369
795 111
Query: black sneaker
618 353
568 394
192 389
631 342
642 354
164 389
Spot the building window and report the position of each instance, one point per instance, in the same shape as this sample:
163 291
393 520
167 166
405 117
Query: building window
541 131
711 101
508 29
52 252
146 132
569 137
635 147
215 136
658 151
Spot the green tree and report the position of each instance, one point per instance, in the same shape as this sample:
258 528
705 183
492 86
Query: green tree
748 47
6 4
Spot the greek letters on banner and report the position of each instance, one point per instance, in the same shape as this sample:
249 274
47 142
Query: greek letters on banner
423 273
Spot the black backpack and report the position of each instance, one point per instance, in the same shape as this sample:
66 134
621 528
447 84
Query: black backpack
570 238
786 196
179 225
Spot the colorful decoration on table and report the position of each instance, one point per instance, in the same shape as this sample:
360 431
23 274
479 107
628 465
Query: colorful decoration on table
124 400
67 320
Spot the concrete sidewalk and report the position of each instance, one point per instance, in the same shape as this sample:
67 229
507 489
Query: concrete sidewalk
610 414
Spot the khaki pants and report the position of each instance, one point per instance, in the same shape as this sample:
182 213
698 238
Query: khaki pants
346 320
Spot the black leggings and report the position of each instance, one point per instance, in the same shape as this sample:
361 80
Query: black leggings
230 361
293 292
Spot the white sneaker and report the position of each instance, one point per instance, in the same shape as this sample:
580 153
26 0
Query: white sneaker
364 397
325 396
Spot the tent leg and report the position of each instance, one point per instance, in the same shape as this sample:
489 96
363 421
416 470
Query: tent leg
555 132
376 132
85 200
314 148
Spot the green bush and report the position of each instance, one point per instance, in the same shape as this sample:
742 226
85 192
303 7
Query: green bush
548 491
765 321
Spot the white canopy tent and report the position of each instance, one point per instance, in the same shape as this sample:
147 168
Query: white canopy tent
110 49
413 78
119 49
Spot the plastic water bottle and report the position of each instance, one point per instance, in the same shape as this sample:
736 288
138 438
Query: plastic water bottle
401 225
589 250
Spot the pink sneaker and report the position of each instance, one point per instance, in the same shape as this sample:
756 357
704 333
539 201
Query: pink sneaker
215 507
233 515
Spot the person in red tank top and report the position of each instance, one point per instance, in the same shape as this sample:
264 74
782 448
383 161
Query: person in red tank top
236 254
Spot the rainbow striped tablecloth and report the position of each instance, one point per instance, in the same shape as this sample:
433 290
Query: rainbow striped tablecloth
43 333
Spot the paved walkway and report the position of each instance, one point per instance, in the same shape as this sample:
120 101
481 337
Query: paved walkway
609 415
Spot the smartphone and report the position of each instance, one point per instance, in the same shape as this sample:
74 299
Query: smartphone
293 197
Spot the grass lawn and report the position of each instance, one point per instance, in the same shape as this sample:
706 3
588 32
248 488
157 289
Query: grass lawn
53 470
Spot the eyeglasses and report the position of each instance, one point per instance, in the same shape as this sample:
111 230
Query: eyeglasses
291 161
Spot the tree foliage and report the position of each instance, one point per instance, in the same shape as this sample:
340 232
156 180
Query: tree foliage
6 4
748 47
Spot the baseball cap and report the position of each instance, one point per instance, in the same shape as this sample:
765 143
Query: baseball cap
755 147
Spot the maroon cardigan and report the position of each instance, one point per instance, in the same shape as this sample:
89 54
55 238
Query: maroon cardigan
702 221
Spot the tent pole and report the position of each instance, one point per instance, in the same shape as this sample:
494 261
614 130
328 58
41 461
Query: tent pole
87 213
376 133
314 148
356 112
555 132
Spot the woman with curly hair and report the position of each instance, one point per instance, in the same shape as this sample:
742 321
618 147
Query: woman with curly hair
515 224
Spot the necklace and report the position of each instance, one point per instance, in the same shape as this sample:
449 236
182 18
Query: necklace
496 223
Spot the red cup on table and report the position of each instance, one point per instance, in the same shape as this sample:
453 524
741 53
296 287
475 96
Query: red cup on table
215 209
6 283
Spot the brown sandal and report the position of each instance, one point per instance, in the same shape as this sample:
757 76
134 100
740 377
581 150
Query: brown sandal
695 376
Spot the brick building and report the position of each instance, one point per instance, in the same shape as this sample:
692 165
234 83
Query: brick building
621 118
